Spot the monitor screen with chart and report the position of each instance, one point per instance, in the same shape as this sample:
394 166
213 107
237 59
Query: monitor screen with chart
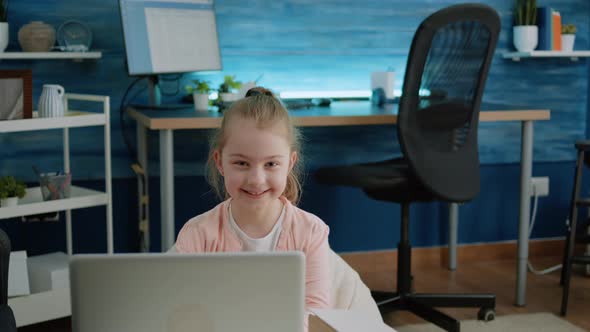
170 36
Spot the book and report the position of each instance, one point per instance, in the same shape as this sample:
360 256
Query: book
544 22
556 25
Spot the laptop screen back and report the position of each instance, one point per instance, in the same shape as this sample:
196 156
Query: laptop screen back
182 292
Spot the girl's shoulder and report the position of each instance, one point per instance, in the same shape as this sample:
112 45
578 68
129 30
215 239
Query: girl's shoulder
204 232
307 220
206 222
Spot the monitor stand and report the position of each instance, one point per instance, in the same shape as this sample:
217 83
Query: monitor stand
155 96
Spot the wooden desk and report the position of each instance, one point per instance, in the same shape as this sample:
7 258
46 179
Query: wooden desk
338 114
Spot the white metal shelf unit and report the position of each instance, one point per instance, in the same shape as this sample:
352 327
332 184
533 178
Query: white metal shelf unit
53 304
32 203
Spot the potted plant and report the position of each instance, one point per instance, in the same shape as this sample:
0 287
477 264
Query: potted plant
3 25
227 89
525 32
568 36
11 190
200 91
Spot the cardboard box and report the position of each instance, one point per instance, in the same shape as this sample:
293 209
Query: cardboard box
18 277
49 272
337 320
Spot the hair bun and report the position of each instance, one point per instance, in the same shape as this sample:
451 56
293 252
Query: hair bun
258 90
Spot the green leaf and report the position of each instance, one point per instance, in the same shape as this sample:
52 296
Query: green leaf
229 84
11 187
525 12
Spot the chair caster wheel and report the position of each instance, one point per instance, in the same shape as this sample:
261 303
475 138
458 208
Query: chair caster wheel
486 314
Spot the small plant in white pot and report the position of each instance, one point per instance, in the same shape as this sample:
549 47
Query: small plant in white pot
200 92
228 89
525 33
3 25
10 191
568 36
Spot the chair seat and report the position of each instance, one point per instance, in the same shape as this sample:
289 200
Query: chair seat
389 180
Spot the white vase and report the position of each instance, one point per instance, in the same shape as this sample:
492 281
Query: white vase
567 42
51 103
10 201
201 101
525 37
3 36
228 97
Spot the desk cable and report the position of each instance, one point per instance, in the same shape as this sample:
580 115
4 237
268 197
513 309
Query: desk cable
532 224
142 240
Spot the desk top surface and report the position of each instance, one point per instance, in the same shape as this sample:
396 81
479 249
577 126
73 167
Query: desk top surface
350 113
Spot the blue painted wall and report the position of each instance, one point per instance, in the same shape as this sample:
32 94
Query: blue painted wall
314 45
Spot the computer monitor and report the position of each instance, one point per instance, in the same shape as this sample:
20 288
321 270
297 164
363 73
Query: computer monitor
169 36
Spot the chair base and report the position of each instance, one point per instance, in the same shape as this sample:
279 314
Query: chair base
422 305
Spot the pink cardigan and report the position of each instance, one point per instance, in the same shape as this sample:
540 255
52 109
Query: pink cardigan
211 232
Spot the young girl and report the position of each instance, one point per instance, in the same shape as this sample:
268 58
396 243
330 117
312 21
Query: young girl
253 165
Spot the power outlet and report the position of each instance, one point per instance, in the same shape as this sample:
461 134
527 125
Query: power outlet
540 186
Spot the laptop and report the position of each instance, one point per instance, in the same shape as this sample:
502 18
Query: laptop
188 292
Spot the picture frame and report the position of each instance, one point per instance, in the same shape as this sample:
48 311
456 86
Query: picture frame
16 94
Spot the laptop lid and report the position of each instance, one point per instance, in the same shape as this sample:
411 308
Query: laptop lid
188 292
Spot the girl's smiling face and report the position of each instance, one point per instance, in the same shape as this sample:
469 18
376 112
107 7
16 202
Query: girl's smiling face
255 162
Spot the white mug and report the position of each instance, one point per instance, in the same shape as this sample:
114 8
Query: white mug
51 102
384 80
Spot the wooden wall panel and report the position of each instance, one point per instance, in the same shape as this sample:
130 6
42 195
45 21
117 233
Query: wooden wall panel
302 45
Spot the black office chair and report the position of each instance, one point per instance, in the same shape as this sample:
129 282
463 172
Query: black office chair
573 236
450 56
7 322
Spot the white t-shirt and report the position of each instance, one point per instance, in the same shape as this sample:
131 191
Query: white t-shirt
266 243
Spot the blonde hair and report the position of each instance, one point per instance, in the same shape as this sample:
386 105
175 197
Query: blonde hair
265 109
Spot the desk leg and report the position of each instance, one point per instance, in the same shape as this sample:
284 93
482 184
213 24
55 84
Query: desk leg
143 187
526 169
453 230
108 175
167 187
66 145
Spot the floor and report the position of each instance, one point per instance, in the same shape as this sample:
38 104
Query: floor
498 277
543 292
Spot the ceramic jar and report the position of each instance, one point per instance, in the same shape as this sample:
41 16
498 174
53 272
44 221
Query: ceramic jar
36 37
51 103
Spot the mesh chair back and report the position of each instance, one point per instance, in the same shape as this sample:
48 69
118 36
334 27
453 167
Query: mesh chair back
444 81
